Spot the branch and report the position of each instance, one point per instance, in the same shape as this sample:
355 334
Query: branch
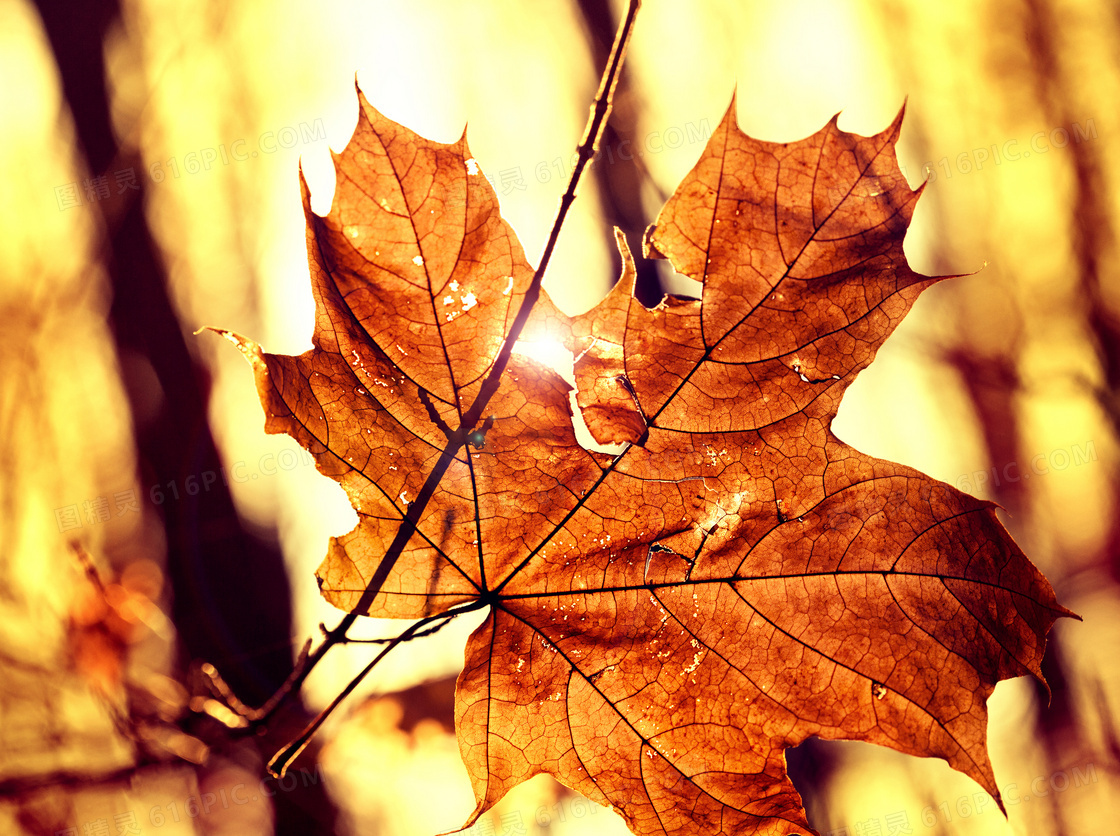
600 110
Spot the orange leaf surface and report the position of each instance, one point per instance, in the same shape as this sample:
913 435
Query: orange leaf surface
665 621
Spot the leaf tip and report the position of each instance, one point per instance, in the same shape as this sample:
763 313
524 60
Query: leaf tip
366 112
304 189
901 112
649 246
999 802
628 280
250 349
731 115
471 819
892 130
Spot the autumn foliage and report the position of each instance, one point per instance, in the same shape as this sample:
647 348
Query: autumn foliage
664 620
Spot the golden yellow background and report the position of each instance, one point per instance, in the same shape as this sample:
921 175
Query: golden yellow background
1012 113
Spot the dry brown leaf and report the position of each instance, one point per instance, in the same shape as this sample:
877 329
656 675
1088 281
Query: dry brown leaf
663 623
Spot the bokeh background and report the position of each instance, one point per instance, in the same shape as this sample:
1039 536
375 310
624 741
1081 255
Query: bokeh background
149 158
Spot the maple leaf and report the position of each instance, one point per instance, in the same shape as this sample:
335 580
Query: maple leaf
664 621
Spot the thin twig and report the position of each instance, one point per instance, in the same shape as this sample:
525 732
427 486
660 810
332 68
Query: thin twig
220 689
600 110
88 566
587 149
282 759
429 632
300 673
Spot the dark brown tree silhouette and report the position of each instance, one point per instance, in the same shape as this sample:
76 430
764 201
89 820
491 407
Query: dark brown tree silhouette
230 595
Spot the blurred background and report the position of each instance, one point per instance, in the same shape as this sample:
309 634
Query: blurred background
147 525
